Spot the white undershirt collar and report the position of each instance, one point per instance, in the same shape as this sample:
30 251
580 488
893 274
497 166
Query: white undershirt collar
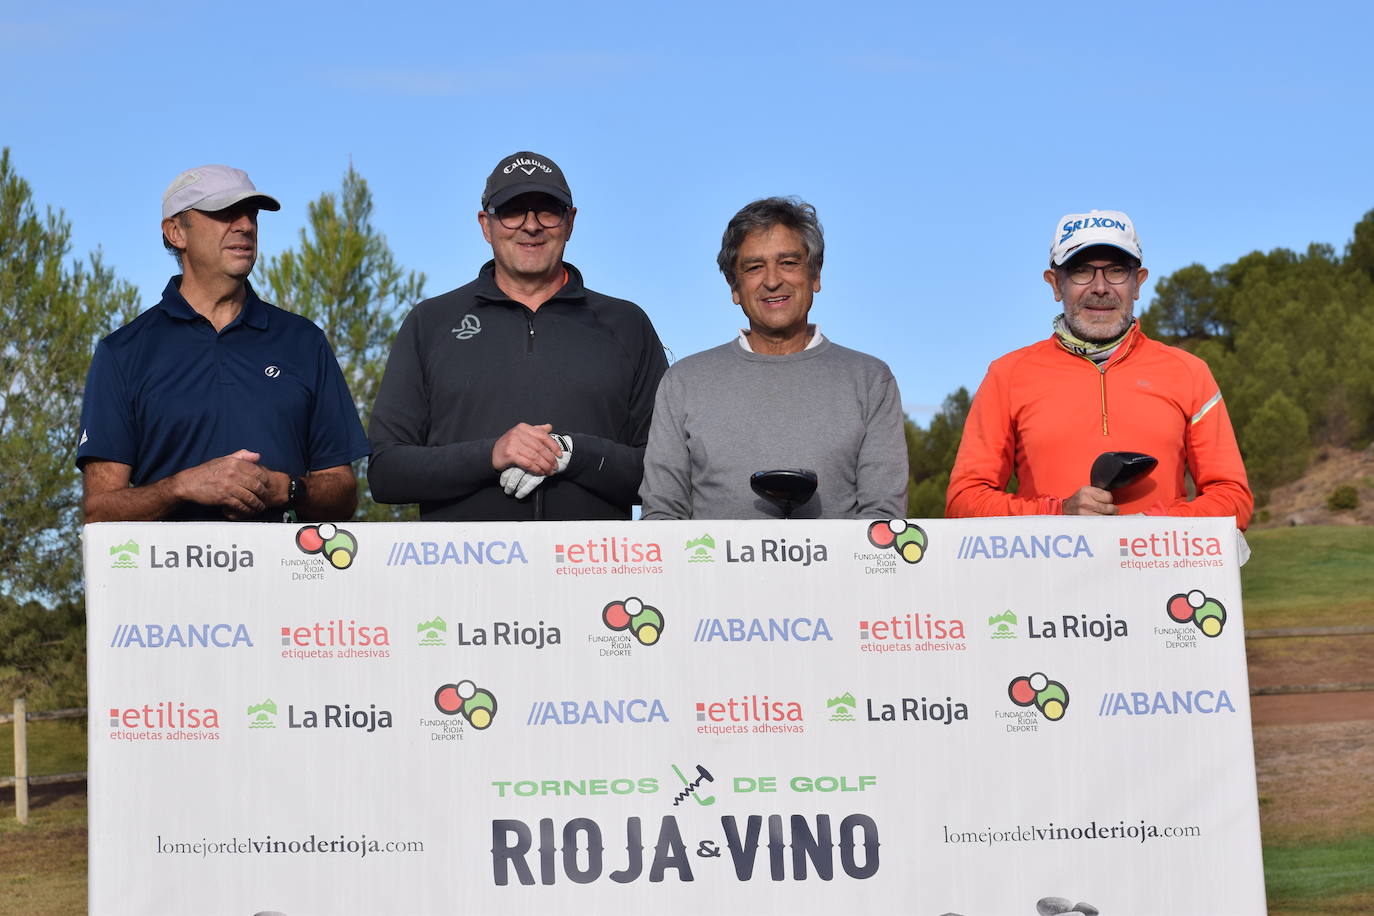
812 344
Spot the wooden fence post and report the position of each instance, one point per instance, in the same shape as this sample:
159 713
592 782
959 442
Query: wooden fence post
21 760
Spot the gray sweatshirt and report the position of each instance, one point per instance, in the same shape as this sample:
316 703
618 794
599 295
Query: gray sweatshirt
724 413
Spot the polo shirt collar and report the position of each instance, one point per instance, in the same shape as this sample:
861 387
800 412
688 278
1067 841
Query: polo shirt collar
253 313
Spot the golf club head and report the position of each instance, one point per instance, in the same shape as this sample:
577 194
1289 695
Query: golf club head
784 488
1114 470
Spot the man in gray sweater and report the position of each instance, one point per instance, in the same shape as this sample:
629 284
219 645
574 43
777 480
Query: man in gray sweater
779 396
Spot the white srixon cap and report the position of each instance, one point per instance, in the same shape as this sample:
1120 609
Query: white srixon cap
1077 231
211 188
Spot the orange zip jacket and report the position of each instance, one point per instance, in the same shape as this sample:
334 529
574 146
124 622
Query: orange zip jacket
1045 414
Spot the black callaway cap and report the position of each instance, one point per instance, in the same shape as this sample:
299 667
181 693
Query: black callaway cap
522 173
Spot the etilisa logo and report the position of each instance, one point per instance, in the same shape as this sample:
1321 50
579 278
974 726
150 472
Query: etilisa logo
456 553
1165 703
1024 547
914 632
615 556
180 636
433 631
642 621
476 705
335 639
1171 549
125 555
701 550
1049 698
762 629
336 545
164 720
621 711
749 714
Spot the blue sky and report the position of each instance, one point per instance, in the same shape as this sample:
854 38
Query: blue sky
939 142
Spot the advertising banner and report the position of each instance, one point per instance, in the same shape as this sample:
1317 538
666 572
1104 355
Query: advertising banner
932 716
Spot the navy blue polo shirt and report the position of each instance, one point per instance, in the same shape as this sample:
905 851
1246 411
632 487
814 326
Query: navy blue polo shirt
166 392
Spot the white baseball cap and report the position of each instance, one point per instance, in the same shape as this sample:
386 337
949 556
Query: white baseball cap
1076 231
211 188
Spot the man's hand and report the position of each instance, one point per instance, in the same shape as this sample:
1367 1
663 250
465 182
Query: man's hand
1090 501
519 483
236 483
530 448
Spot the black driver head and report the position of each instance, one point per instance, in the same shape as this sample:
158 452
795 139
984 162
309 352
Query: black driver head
1114 470
784 488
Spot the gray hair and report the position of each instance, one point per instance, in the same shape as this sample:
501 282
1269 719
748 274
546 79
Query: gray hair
790 212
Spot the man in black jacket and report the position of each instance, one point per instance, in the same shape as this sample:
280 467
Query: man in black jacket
523 394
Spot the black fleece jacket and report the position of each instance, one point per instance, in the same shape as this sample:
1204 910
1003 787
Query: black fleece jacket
470 364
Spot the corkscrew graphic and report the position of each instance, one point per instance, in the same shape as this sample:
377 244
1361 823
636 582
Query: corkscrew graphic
704 775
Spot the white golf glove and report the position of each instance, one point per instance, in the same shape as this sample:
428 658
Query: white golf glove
518 482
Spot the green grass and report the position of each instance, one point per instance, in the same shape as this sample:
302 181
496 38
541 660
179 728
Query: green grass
55 746
43 864
1303 874
1313 576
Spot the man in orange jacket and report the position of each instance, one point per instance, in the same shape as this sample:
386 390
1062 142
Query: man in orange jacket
1098 384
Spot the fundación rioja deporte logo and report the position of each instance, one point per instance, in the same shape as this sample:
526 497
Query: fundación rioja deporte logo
645 623
1207 614
336 545
476 705
1050 697
908 540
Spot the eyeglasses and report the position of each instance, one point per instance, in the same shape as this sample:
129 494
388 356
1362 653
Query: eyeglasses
1083 274
550 215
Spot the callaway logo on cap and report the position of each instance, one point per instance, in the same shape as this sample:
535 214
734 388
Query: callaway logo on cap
1100 227
522 173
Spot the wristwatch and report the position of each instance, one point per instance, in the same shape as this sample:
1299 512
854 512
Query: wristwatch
295 491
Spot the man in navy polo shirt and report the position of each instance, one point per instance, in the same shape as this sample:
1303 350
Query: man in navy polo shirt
213 404
522 395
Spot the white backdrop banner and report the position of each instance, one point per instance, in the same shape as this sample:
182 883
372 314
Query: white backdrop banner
670 717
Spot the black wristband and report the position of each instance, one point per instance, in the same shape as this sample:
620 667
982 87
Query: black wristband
295 491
